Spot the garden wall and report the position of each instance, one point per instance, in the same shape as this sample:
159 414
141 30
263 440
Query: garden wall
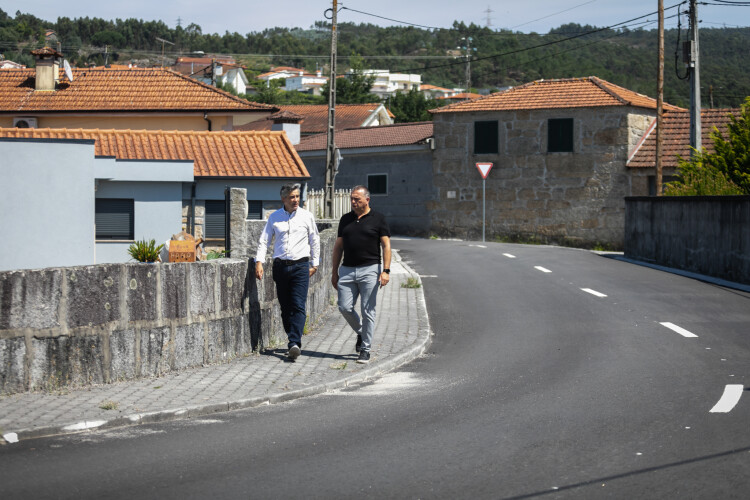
74 326
708 235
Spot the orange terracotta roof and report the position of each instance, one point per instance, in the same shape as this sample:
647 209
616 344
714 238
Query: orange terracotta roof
216 154
117 90
586 92
676 137
365 137
316 117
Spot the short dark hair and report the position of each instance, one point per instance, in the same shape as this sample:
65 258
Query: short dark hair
290 187
363 188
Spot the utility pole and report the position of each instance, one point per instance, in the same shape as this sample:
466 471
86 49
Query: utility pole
695 84
659 100
467 48
331 145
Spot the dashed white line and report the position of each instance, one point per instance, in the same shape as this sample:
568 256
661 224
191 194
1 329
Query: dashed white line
542 269
730 398
593 292
510 256
478 246
678 329
428 275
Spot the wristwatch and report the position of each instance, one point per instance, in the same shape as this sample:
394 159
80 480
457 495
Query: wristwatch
387 271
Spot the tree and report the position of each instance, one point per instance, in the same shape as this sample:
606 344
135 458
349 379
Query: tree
355 87
411 106
726 170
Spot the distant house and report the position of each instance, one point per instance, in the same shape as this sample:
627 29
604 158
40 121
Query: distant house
387 84
459 97
214 70
394 161
559 149
433 92
91 193
6 64
133 98
675 142
315 117
281 72
308 83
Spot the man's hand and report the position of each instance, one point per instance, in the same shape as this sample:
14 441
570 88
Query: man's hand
335 279
384 279
313 270
259 270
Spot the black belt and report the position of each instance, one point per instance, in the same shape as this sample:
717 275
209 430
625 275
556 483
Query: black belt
290 262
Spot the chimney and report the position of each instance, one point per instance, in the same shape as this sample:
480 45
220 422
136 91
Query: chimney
288 122
47 68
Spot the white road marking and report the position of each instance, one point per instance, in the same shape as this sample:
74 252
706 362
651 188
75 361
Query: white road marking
593 292
428 275
478 246
679 329
10 437
82 426
510 256
730 398
542 269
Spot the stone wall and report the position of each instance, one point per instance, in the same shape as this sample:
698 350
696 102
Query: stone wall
575 198
75 326
708 235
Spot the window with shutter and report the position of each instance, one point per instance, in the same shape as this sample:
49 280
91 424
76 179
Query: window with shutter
560 135
114 219
254 209
215 219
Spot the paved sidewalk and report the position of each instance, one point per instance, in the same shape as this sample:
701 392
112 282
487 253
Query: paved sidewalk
328 362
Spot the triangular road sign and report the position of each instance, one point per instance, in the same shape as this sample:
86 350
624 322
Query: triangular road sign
484 169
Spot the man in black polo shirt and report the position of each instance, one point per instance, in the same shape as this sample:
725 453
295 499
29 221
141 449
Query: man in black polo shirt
362 233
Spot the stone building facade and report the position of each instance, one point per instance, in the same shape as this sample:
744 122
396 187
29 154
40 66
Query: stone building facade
559 150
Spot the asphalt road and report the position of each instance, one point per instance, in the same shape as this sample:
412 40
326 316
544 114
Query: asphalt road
553 373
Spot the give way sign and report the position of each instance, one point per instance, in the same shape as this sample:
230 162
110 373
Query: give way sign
484 169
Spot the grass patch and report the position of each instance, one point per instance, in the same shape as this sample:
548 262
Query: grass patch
339 366
411 283
109 405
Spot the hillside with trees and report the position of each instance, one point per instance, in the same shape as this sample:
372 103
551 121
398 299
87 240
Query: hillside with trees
625 57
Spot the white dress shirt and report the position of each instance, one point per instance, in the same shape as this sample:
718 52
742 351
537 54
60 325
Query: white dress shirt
295 236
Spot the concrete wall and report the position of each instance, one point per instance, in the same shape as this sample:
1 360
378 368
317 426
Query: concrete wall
573 197
75 326
47 203
410 188
708 235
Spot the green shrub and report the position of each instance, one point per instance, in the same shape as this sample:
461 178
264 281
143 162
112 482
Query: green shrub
143 251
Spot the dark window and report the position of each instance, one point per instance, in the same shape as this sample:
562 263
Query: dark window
254 209
485 138
215 219
560 135
377 183
114 219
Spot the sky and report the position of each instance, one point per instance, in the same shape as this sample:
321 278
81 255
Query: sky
244 16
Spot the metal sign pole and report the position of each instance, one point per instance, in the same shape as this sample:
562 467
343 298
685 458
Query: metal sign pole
484 206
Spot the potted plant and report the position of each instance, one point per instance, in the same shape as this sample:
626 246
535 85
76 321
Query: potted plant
144 251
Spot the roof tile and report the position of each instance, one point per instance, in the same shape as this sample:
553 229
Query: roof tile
551 94
216 154
133 89
316 117
365 137
676 137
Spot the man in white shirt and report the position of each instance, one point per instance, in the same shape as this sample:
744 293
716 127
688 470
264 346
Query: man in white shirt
296 255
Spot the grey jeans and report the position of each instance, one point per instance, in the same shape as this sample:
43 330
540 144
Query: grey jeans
359 282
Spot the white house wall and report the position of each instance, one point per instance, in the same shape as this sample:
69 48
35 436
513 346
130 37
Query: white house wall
47 203
157 214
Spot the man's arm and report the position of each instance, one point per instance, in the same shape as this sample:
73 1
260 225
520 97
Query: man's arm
260 254
385 242
338 252
314 241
